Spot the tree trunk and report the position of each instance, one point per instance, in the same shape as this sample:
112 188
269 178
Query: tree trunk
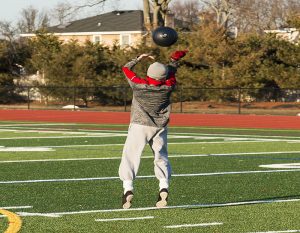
156 9
147 18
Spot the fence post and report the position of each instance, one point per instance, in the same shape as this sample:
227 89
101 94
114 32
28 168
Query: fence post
125 99
74 98
28 97
239 101
180 97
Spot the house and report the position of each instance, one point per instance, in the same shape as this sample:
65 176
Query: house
290 34
121 27
125 28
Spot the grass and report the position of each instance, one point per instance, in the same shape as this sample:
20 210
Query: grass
222 184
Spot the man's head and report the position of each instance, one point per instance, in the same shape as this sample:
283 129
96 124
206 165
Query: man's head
157 71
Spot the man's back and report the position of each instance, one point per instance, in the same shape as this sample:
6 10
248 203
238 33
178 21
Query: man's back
151 104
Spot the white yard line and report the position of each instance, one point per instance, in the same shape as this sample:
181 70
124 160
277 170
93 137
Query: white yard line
23 149
42 130
230 138
123 219
258 153
60 160
287 231
15 207
282 165
146 177
146 157
236 135
110 133
58 214
195 225
59 137
26 124
92 145
169 143
100 135
59 130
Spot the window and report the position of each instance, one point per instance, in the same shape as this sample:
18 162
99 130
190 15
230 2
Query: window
125 40
97 39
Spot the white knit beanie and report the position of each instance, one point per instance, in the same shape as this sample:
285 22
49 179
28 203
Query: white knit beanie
157 71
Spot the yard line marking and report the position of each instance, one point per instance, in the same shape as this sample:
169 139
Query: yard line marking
123 219
287 231
87 159
59 160
258 153
238 135
125 131
59 137
15 207
59 130
24 149
195 225
59 180
145 177
167 207
25 214
169 143
101 135
147 157
230 138
14 221
91 145
26 124
282 165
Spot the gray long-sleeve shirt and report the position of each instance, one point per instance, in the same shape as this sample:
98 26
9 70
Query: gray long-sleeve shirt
151 103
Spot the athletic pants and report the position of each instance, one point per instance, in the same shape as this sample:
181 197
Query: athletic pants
137 138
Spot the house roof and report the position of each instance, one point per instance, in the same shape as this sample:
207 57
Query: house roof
112 21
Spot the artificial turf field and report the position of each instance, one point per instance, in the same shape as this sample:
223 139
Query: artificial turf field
64 178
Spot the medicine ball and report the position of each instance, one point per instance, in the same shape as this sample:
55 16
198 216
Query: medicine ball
164 36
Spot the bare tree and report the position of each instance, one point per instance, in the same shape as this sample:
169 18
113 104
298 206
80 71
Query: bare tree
223 9
187 11
258 15
252 15
32 20
147 17
158 8
7 31
62 12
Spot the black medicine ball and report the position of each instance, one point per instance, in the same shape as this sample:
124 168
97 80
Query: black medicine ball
164 36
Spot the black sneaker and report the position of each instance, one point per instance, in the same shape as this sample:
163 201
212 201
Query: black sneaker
126 199
162 198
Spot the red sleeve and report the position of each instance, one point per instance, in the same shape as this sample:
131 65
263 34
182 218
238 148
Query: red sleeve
171 81
132 76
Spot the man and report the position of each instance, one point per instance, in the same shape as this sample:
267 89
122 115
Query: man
150 112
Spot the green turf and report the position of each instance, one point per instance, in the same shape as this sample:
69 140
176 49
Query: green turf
203 194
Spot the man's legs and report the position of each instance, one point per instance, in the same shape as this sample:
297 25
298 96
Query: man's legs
138 136
162 167
132 151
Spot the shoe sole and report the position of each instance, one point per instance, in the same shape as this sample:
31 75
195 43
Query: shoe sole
163 201
127 204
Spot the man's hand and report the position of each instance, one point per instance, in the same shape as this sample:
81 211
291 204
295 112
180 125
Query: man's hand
145 55
178 54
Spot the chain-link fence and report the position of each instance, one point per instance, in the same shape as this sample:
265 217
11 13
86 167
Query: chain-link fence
272 101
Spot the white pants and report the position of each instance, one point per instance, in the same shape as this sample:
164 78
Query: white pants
137 138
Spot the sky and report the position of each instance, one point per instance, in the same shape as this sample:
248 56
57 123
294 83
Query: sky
10 9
